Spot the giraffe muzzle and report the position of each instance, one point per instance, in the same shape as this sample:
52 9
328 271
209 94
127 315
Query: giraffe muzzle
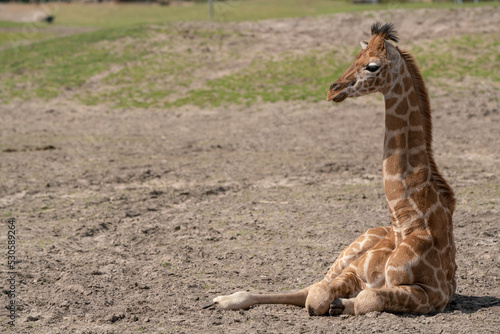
337 92
336 96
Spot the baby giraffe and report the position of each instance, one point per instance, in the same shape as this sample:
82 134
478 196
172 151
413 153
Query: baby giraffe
408 267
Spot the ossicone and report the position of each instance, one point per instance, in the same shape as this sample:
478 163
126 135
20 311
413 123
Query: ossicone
385 30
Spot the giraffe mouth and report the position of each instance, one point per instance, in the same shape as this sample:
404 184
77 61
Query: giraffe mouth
332 96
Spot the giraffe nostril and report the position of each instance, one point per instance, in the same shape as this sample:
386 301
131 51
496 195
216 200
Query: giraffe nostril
334 86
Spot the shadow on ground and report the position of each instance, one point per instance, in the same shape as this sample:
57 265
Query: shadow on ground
471 304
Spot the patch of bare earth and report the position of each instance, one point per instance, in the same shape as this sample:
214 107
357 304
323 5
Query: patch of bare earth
137 217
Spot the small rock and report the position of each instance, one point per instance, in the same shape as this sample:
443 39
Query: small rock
33 318
131 214
155 193
114 318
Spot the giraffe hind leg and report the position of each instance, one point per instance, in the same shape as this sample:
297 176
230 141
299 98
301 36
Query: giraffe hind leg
398 299
337 307
356 249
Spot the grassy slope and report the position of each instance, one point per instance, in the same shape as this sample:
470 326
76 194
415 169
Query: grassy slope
133 66
13 38
134 76
112 15
8 24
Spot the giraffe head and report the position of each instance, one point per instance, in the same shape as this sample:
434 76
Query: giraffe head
374 68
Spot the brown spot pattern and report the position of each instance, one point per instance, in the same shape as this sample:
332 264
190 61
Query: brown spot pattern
415 179
394 123
402 108
393 189
397 89
412 97
433 258
415 139
395 164
418 159
389 103
415 118
398 141
407 83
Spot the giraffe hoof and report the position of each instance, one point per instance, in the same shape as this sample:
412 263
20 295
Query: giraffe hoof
209 304
336 307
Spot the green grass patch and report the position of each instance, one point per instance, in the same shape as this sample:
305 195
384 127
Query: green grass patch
45 69
467 56
14 33
288 78
9 24
15 38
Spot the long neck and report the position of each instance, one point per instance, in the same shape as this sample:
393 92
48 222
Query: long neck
406 168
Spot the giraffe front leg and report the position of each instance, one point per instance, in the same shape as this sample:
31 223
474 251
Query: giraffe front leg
323 293
237 301
243 300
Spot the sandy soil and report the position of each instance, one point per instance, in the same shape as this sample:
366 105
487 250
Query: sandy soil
128 220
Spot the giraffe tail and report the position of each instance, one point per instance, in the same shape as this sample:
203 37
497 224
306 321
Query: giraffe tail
242 300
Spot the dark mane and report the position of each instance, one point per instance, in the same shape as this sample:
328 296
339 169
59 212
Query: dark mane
425 114
386 31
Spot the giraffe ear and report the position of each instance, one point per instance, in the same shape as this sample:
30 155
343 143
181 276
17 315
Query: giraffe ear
364 44
391 52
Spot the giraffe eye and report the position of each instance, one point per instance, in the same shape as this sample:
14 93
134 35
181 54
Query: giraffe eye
372 67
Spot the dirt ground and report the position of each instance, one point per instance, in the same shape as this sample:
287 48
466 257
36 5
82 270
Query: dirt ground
128 220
